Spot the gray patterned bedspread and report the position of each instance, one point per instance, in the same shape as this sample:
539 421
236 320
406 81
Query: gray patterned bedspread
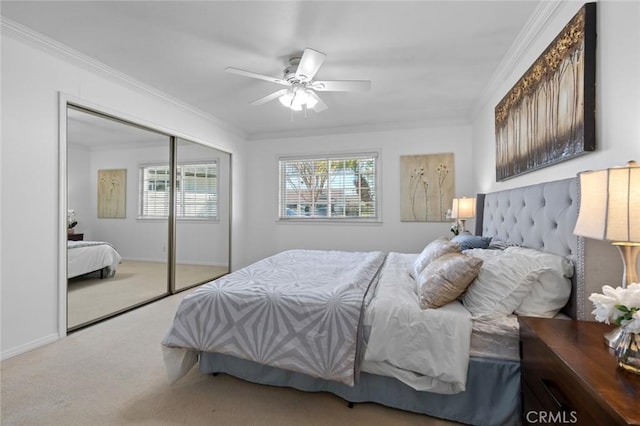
299 310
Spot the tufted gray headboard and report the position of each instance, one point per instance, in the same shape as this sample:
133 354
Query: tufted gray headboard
542 217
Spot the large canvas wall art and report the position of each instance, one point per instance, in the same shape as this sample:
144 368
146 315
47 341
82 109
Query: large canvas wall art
112 186
549 114
427 186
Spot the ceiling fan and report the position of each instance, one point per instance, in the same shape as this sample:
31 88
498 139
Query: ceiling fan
300 93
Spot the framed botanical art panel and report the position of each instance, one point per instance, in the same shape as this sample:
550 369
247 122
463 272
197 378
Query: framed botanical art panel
112 190
426 187
549 114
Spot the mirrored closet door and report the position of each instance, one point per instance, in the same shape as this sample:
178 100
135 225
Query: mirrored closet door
202 214
137 229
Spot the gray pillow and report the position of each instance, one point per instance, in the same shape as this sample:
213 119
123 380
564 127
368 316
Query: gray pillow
468 241
500 245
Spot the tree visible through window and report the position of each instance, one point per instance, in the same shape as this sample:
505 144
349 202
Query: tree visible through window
196 191
326 188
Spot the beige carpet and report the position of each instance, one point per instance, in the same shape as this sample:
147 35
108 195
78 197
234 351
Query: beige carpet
112 374
90 298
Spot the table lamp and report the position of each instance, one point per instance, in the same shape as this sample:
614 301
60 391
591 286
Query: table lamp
610 210
463 208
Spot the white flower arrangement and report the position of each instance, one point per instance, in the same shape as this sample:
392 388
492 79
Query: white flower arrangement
455 229
618 305
71 219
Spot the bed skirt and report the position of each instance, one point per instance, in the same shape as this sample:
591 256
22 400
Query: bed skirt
492 396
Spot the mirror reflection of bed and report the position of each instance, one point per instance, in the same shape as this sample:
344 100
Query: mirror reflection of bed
119 260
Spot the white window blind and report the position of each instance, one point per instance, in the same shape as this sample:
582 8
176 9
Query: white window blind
196 190
340 187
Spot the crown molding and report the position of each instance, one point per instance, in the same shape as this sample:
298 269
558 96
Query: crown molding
44 43
362 128
530 32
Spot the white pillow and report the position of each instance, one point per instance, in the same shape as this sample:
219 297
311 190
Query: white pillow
482 253
431 252
503 282
553 289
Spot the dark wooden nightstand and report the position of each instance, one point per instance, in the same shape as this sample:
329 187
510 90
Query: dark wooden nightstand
75 237
570 377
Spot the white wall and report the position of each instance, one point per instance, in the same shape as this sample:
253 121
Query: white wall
198 242
206 242
268 236
31 223
617 98
79 188
617 108
133 242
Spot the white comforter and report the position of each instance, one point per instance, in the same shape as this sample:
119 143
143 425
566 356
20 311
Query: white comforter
88 256
426 349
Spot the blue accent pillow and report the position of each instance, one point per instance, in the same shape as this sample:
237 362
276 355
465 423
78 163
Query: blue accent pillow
500 245
468 241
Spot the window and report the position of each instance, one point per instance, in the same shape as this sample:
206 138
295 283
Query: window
196 190
333 187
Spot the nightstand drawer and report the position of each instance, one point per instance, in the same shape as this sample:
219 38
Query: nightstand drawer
570 377
554 388
545 381
530 402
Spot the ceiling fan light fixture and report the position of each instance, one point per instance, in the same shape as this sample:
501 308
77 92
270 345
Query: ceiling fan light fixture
300 94
310 101
297 98
287 99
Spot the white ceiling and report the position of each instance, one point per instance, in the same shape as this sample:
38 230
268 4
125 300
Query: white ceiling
429 61
95 132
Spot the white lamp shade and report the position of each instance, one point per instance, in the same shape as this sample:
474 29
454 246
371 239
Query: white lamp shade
463 208
610 204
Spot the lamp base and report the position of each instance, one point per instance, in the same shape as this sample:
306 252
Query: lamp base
630 253
612 337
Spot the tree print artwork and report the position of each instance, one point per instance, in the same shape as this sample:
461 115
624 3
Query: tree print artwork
549 114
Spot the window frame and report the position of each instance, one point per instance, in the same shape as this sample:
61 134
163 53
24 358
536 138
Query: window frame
179 165
351 155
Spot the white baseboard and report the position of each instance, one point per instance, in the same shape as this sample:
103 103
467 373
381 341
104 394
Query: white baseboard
221 265
143 259
29 346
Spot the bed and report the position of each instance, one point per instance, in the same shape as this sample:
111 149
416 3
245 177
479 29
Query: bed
469 374
85 257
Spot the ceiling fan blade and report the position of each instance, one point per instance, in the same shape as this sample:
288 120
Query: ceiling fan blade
269 97
341 86
256 75
320 105
309 64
